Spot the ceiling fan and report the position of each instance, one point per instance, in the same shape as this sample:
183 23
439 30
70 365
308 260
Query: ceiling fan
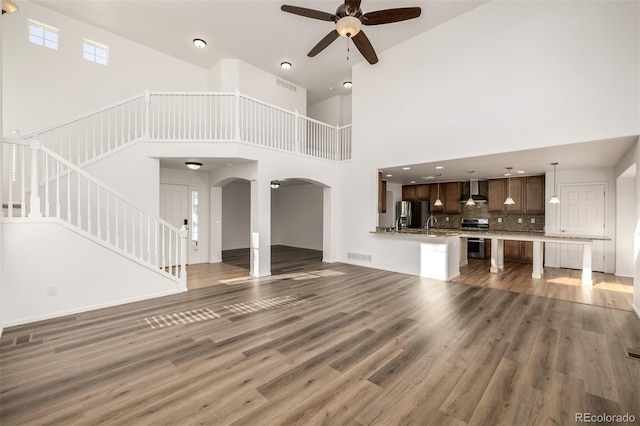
349 19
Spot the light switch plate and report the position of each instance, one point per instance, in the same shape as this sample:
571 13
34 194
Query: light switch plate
533 220
499 220
519 220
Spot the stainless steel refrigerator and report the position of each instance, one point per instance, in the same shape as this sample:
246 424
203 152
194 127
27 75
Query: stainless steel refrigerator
412 214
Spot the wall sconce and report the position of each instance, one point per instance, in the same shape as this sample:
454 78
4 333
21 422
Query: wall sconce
275 184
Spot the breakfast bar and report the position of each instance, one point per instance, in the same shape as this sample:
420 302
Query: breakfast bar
434 237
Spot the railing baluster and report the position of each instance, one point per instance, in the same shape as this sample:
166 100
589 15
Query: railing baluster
148 239
117 223
46 186
140 241
58 215
23 195
108 218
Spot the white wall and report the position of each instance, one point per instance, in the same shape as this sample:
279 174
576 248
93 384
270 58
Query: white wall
42 86
87 275
229 75
335 111
505 76
625 220
236 215
296 218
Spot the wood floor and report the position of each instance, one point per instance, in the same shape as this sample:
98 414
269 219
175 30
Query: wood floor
325 344
556 283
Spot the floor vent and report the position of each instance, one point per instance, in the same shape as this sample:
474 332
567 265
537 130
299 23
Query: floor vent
633 353
359 256
21 340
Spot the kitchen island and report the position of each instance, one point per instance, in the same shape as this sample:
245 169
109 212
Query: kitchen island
438 252
497 243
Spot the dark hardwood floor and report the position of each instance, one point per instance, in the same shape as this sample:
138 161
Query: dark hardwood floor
324 344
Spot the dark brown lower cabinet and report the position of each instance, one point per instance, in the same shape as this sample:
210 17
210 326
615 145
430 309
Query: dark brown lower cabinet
514 251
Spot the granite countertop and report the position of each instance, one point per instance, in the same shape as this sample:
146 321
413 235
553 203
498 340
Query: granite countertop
508 235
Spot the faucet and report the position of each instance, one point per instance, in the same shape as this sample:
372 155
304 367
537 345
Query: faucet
432 219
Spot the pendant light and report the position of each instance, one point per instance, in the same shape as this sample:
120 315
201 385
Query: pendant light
554 199
438 202
470 201
509 201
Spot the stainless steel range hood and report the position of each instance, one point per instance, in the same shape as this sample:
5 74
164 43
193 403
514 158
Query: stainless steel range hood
474 193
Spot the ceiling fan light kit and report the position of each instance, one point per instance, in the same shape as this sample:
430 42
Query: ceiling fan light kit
286 65
9 7
349 20
347 84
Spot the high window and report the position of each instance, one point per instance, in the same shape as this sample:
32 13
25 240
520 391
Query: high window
95 52
43 35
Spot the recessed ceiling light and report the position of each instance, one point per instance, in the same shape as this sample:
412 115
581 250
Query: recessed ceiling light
439 167
389 175
199 43
347 84
521 172
413 181
428 177
286 65
193 165
406 168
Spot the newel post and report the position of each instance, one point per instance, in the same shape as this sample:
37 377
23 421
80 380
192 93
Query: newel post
182 286
237 112
147 102
34 205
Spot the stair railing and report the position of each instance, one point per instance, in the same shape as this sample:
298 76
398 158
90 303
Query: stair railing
40 183
193 116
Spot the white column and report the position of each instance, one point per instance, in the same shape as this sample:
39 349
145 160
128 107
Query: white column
497 255
327 212
586 264
34 205
464 258
538 269
215 255
261 227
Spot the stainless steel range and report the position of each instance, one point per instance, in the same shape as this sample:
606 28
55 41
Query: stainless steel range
475 246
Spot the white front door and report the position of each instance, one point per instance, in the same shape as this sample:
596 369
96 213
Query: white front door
582 212
174 205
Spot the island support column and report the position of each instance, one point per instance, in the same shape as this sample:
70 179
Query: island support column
586 264
497 255
538 268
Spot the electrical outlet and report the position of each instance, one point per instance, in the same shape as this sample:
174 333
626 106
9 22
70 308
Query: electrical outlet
499 220
446 219
52 290
519 220
533 220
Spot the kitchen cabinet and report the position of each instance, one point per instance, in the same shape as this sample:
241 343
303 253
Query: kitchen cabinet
452 194
382 194
434 196
527 192
515 189
534 190
518 251
496 194
423 192
409 193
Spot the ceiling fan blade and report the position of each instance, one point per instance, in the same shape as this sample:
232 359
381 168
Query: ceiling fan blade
388 16
355 4
309 13
326 41
364 46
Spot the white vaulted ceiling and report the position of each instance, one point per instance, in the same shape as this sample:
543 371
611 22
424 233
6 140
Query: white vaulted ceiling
256 32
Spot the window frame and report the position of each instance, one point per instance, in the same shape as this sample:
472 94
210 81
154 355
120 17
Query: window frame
49 37
92 55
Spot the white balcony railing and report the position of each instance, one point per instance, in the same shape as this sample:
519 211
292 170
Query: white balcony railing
194 116
40 183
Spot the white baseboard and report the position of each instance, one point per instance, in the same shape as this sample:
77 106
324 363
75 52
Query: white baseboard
58 314
636 310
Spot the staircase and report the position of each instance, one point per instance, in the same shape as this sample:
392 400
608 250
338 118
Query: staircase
44 176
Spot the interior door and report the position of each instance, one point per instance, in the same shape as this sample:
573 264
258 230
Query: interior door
582 212
174 206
